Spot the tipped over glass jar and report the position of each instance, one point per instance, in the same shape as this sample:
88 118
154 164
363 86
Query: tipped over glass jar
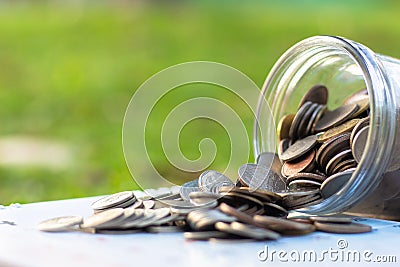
349 73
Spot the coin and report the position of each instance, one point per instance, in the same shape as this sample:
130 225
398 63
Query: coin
317 94
331 219
338 130
317 114
363 105
306 175
211 181
335 117
332 147
187 188
299 148
102 219
344 165
361 124
340 228
335 160
241 216
305 120
248 231
284 126
112 200
270 160
283 145
258 177
303 184
359 143
283 226
297 119
164 229
303 164
205 235
60 224
334 183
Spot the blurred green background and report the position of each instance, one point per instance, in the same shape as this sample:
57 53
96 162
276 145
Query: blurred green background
69 68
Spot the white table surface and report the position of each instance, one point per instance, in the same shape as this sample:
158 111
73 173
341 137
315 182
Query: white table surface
22 245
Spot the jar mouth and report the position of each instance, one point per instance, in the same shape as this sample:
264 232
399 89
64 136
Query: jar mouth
381 136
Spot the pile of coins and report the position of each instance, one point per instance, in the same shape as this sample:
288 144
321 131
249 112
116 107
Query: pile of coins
233 214
318 152
321 148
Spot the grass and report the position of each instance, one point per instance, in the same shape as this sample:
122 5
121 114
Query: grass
67 73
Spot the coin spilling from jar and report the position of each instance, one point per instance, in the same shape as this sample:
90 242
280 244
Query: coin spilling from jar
318 152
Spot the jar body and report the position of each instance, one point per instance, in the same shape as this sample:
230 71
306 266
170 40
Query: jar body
344 67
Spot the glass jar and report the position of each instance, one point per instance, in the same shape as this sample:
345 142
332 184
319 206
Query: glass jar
344 67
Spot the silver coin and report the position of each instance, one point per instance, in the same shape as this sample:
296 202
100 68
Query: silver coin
112 200
334 183
335 117
359 143
60 224
151 220
203 198
138 204
211 181
145 215
118 231
299 148
270 160
102 219
187 188
256 176
148 204
246 230
283 146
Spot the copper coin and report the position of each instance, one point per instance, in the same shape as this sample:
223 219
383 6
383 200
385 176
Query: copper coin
338 130
299 165
351 228
317 94
284 126
299 148
334 183
335 117
260 194
245 230
359 143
